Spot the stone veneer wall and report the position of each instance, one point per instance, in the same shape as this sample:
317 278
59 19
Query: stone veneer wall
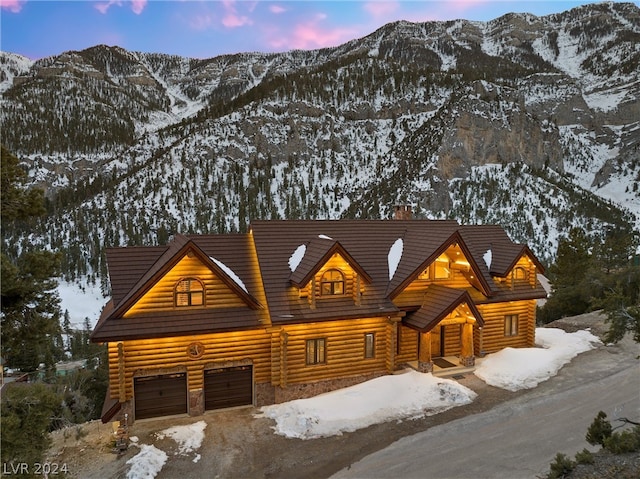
307 390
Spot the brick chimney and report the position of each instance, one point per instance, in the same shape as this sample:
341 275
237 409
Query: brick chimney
402 212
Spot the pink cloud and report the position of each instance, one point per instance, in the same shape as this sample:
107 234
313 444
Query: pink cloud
14 6
277 9
311 34
231 18
137 6
380 9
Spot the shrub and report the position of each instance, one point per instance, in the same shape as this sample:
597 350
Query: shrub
623 441
599 430
584 457
561 466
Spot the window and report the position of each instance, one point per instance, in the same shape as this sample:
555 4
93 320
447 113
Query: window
189 292
519 273
316 351
332 283
370 345
511 325
442 270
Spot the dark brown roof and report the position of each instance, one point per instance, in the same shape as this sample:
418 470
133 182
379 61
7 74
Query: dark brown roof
126 269
261 259
438 303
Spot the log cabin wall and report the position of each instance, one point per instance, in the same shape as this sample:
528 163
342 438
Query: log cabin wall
407 347
164 355
492 337
452 339
345 350
161 296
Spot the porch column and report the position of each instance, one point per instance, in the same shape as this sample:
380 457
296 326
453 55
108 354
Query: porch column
424 357
466 353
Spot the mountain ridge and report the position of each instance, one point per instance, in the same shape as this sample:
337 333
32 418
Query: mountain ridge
531 122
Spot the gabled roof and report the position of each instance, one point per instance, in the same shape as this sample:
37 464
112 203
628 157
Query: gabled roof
504 252
318 251
438 303
133 271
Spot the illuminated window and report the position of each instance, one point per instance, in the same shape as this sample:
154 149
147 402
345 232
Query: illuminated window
511 325
442 270
332 283
316 351
370 345
519 273
189 292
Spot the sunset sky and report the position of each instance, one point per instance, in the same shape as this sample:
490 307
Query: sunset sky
205 28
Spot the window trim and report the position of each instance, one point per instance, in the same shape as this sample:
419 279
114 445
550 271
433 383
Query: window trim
511 320
519 270
369 345
312 349
332 283
189 293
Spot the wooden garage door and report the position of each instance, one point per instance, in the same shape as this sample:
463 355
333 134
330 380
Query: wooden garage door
228 387
160 395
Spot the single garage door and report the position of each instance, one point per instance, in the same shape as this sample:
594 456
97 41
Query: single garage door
228 387
160 395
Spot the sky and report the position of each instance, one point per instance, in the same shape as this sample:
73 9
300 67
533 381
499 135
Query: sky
395 397
208 28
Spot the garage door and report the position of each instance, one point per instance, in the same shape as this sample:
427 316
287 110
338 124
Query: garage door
160 395
228 387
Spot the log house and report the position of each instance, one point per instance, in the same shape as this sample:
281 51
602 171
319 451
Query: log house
296 308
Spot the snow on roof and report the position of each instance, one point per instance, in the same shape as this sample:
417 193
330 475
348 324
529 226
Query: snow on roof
395 254
488 256
296 257
325 237
229 273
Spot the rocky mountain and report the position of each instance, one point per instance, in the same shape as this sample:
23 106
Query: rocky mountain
530 122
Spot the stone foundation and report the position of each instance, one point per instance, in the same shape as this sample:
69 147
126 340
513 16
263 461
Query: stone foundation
307 390
196 402
468 362
425 366
265 394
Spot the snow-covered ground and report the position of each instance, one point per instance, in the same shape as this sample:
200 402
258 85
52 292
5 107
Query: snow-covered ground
389 398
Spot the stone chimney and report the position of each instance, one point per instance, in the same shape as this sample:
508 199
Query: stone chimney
402 212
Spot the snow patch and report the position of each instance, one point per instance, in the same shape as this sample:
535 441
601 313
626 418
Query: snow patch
395 254
147 463
525 368
189 438
229 272
296 257
488 257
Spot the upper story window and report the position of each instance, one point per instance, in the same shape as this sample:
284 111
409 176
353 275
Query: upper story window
189 292
332 283
519 273
442 267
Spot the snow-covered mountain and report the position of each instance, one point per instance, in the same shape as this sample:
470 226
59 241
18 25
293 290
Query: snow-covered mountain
530 122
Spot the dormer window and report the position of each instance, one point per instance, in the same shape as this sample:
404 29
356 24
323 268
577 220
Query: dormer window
519 273
332 283
189 292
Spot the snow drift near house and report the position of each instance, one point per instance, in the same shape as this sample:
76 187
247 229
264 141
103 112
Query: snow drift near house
395 397
147 463
525 368
189 438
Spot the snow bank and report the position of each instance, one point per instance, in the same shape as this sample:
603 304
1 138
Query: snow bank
147 463
189 438
525 368
394 397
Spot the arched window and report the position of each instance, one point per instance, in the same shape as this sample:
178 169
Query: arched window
332 283
519 273
189 292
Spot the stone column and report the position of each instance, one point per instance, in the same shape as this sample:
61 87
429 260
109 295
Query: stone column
467 358
425 365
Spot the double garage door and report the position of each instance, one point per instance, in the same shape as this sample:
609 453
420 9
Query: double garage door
167 394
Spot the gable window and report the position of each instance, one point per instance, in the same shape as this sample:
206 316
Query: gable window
442 270
511 325
316 351
370 345
189 292
519 273
332 283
